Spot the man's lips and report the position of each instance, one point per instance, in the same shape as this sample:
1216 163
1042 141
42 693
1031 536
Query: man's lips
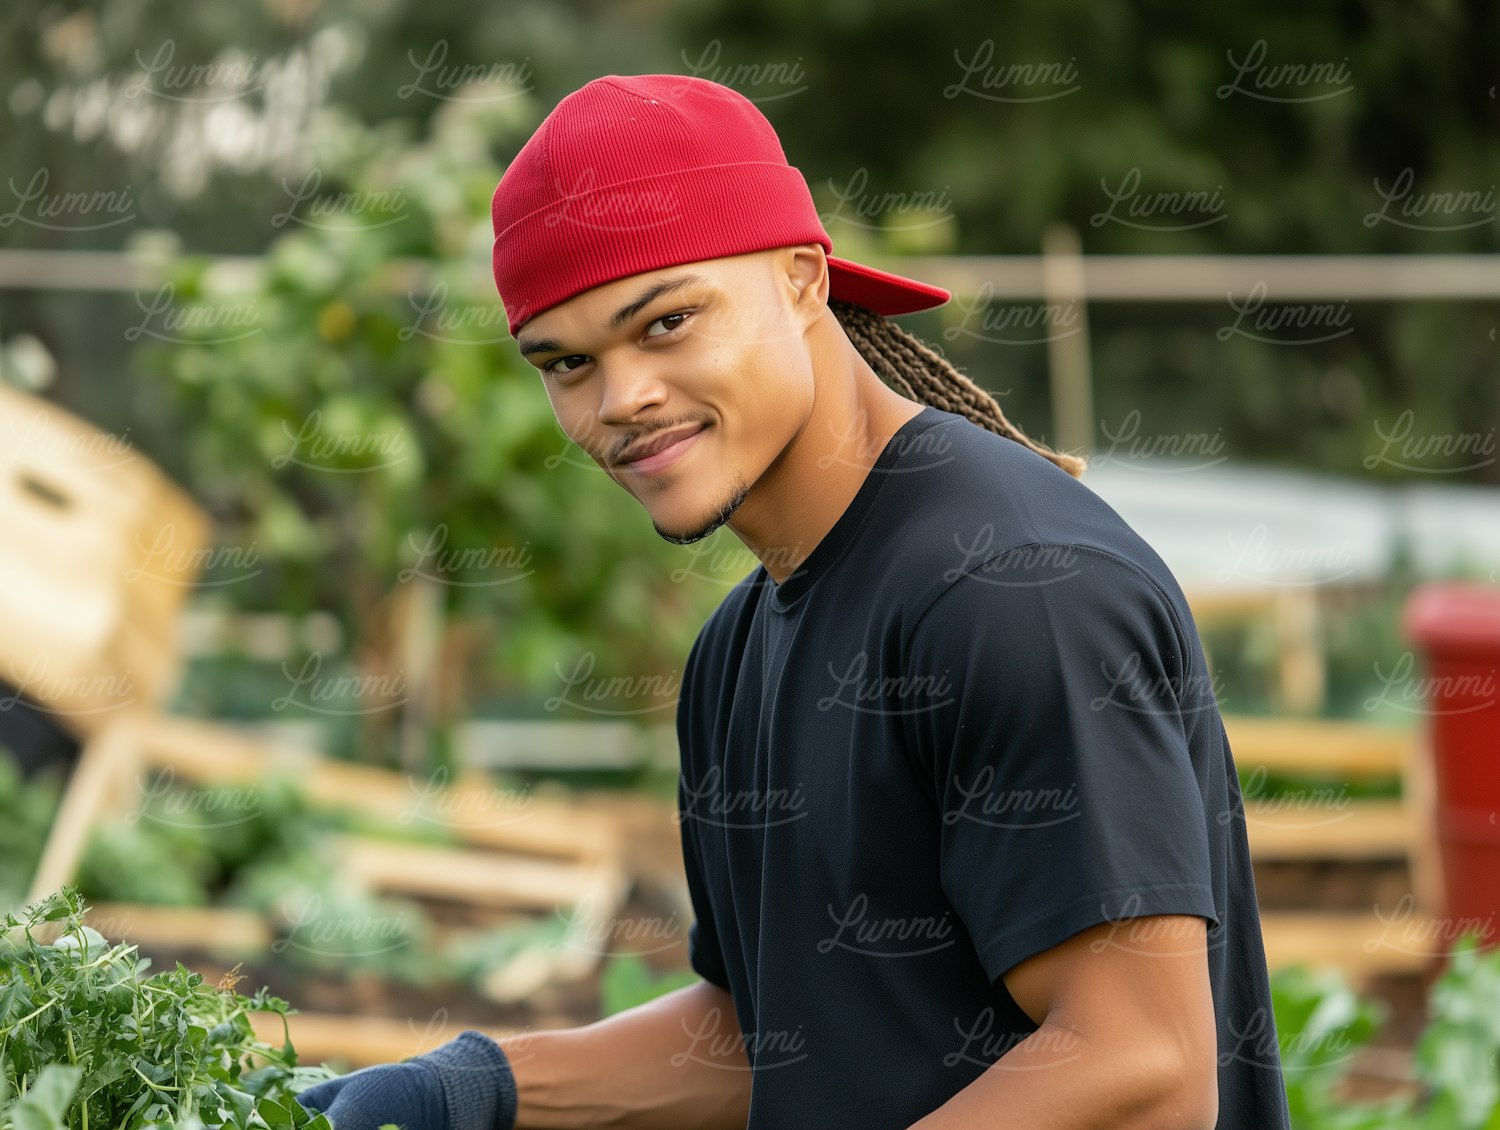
658 443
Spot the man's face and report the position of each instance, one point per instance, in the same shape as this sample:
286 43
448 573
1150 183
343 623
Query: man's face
715 349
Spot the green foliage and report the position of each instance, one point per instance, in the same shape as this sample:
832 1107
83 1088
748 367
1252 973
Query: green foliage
86 1040
1320 1023
361 425
628 981
26 808
260 848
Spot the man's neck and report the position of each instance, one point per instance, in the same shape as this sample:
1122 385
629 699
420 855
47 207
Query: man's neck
803 493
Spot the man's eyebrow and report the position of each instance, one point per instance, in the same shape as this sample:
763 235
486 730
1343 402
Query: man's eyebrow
649 295
620 316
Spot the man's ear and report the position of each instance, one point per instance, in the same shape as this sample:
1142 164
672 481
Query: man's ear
806 273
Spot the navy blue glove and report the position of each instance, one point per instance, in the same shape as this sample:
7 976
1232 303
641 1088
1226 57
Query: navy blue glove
464 1085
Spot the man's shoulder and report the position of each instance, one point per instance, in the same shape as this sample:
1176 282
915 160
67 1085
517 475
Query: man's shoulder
998 512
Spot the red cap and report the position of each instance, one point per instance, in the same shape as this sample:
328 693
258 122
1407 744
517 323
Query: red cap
632 173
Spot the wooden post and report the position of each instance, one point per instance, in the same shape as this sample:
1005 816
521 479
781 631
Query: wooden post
1068 354
107 757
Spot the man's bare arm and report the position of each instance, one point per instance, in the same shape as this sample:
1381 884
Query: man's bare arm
1127 1037
678 1060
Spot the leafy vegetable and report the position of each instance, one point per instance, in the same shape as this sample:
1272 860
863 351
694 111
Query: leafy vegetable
26 808
1320 1022
87 1041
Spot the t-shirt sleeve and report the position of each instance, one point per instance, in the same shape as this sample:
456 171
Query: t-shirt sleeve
1060 761
704 954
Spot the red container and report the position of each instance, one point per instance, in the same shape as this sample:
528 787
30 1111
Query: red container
1457 624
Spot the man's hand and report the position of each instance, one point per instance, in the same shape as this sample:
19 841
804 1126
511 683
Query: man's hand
464 1085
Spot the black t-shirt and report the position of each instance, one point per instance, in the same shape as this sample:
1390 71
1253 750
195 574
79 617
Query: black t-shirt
976 720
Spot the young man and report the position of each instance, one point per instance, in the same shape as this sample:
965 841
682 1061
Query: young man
962 829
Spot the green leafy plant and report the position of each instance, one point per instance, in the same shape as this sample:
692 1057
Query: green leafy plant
628 981
1320 1022
86 1040
26 808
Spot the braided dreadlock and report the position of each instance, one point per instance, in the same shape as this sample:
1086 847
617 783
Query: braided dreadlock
915 369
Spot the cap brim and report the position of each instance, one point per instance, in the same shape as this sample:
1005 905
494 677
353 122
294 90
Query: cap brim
880 291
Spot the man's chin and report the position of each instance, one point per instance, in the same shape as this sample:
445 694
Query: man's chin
679 533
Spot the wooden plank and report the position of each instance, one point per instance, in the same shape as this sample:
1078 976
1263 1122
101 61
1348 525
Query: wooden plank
480 877
1419 791
107 758
583 946
1218 606
1358 944
1322 829
480 815
209 929
361 1041
1316 746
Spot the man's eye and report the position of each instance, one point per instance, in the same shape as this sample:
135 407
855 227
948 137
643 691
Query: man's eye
548 367
666 318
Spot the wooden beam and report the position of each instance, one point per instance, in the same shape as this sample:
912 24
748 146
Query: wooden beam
1327 829
206 752
479 877
107 759
1108 278
1212 278
1317 746
362 1041
182 928
1358 944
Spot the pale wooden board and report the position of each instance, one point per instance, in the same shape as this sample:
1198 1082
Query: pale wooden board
361 1041
99 779
484 878
1358 944
209 929
1316 746
204 752
1329 829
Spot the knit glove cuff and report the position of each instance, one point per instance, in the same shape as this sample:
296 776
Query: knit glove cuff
478 1086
